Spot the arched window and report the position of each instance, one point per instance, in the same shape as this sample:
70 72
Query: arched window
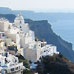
20 22
20 27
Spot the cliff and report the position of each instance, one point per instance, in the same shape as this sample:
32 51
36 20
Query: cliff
10 17
44 31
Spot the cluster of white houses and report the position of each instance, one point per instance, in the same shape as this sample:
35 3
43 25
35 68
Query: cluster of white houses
9 64
19 35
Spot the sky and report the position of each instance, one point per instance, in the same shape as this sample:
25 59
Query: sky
43 5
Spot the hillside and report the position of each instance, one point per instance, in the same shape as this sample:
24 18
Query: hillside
44 31
10 17
56 64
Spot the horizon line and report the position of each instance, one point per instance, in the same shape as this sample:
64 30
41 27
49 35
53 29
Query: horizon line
54 10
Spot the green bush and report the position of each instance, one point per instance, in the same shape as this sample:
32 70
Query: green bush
25 61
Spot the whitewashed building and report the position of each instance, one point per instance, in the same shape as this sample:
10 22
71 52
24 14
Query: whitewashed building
24 38
9 64
49 50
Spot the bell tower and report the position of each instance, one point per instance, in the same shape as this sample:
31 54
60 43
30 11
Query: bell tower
19 21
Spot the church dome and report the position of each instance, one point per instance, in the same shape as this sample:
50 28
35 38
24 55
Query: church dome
19 19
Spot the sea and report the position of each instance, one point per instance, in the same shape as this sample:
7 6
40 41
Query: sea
65 29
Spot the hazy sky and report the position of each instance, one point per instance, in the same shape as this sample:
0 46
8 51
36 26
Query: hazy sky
37 4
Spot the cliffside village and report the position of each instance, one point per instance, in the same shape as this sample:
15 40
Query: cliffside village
17 38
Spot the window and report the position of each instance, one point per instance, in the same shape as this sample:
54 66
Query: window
15 60
16 68
20 22
0 63
22 72
3 35
9 27
20 27
12 69
19 67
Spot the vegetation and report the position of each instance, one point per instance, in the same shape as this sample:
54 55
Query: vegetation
36 39
26 64
56 64
28 72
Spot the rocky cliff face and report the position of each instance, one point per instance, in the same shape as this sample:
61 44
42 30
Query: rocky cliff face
44 31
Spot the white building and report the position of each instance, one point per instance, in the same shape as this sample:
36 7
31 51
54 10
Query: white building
24 38
9 64
30 48
4 24
49 50
20 23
